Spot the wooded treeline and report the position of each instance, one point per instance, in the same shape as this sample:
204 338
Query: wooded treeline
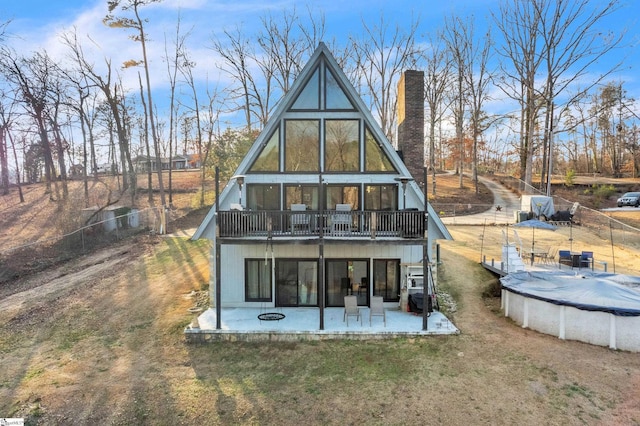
526 94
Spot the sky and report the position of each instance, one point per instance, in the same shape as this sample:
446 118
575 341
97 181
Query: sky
37 25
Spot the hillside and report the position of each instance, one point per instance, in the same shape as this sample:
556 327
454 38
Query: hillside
30 232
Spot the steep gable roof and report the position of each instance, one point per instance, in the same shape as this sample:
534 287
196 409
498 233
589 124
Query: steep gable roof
301 96
306 98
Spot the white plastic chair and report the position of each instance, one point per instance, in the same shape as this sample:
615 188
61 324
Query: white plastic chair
299 220
341 220
351 309
377 309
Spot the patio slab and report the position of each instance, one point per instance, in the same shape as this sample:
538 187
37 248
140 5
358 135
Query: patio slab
242 324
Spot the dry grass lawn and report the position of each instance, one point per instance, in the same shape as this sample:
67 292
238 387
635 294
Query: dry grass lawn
99 341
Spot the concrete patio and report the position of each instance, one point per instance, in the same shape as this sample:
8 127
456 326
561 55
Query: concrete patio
242 324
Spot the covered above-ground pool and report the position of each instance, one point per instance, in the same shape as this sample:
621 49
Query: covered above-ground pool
594 307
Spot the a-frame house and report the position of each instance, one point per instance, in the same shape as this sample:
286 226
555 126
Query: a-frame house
322 206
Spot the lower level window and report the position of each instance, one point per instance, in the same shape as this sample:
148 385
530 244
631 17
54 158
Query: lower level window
386 279
257 280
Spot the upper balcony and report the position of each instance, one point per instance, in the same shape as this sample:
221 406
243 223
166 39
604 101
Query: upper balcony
333 224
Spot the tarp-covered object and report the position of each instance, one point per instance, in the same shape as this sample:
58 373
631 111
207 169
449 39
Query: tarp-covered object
592 291
540 206
416 303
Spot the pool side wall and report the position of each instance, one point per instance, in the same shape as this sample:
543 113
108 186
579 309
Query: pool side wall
570 323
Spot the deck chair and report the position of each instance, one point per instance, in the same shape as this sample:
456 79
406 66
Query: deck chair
299 220
341 220
377 309
564 258
351 309
586 259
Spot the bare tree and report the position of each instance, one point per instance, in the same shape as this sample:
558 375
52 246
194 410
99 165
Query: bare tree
283 51
6 124
136 23
519 26
437 81
477 54
457 45
381 55
32 80
253 96
174 62
111 89
572 43
278 54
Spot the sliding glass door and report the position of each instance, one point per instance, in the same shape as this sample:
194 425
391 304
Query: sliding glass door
297 282
347 277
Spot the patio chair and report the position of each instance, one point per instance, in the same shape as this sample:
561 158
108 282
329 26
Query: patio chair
341 220
550 257
377 309
299 220
586 259
351 309
564 258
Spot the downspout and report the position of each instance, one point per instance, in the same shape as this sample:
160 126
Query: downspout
425 257
217 248
321 271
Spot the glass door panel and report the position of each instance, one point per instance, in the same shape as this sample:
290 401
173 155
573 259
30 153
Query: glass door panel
346 277
337 282
297 282
308 283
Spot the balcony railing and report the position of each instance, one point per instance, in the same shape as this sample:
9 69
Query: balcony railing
331 223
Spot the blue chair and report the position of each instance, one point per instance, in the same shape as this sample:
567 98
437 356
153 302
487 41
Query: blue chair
564 258
586 259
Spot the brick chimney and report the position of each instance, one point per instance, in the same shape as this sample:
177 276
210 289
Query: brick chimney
411 122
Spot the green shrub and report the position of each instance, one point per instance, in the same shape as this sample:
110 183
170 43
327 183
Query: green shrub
570 177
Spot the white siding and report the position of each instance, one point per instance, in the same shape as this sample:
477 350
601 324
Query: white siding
233 256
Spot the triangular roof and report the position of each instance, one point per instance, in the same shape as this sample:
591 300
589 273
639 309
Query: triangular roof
301 98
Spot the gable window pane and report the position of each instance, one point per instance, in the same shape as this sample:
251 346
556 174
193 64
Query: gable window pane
309 97
269 158
257 280
335 96
375 158
342 147
302 146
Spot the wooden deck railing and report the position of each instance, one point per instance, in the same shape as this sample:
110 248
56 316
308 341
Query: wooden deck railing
332 223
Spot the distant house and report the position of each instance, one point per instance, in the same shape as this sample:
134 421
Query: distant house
180 162
322 205
141 163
